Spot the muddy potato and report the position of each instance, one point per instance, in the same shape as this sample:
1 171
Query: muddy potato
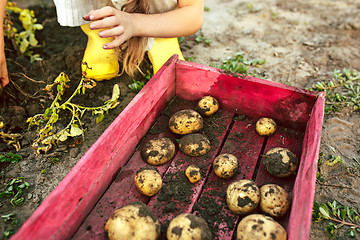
281 162
260 227
187 226
265 126
242 196
207 106
185 122
148 180
195 144
158 151
132 222
274 200
193 173
225 165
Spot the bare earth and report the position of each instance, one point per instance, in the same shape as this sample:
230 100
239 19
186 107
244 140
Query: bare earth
302 42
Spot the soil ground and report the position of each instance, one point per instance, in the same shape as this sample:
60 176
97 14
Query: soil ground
302 42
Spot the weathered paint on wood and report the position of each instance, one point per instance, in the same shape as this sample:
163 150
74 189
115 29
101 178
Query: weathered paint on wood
62 213
245 144
289 106
299 225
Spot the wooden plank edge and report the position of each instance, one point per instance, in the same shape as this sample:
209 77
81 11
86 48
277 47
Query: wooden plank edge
299 226
55 219
276 98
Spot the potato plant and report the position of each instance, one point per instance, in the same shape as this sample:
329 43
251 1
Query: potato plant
47 120
25 40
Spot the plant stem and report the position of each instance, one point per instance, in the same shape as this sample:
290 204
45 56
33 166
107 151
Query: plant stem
344 223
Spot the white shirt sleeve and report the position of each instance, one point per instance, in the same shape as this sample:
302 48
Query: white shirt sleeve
70 12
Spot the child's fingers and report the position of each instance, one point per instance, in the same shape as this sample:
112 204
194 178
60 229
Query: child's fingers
108 22
112 32
115 43
101 13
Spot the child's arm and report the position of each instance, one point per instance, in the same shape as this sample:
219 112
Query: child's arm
184 21
4 79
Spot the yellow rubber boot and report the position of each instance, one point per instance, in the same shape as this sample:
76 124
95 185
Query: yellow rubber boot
98 63
162 50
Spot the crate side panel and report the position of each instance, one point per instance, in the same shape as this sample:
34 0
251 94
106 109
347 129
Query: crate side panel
64 209
304 188
245 144
289 106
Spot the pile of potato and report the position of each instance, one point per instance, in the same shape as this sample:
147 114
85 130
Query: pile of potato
242 196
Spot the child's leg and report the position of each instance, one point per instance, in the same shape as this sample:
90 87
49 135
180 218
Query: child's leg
98 63
162 50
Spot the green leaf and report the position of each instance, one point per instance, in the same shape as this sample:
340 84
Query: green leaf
99 117
32 40
63 136
324 212
115 93
75 130
24 45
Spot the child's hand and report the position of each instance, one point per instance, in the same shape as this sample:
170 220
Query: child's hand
117 22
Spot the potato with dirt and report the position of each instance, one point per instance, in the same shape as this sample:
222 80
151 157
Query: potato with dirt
242 196
274 200
187 226
260 227
158 151
265 126
225 165
194 145
207 106
192 172
148 180
133 221
280 162
185 121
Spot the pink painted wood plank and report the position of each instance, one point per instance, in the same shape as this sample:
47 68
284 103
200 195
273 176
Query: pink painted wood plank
61 213
177 194
299 225
244 143
290 106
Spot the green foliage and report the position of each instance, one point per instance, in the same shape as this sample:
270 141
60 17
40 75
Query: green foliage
47 120
8 233
206 9
337 216
136 86
14 190
10 157
200 38
25 39
10 219
342 91
240 64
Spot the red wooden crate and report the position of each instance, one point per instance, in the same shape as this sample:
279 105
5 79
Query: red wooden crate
102 180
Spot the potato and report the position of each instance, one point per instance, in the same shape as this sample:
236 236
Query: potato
260 227
148 180
274 200
185 122
281 162
195 144
132 222
207 106
265 126
193 173
242 196
225 165
187 226
158 151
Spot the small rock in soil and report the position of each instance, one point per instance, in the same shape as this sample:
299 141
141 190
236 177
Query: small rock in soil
74 152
